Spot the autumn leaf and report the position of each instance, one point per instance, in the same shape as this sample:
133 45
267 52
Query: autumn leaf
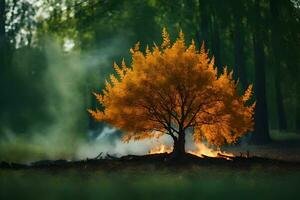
171 89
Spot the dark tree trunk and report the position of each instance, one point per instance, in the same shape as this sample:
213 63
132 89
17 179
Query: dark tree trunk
261 126
276 62
3 62
179 146
215 40
204 23
2 20
2 31
239 54
297 121
282 123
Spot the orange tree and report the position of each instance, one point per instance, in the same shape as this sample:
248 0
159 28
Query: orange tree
173 88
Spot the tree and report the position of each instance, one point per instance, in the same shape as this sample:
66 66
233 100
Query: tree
261 133
170 90
3 60
238 30
3 39
2 21
276 41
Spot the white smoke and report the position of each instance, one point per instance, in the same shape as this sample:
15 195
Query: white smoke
116 147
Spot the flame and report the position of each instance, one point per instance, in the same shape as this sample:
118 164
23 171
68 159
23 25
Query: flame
201 151
160 149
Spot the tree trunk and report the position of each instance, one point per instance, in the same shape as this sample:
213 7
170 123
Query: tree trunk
2 21
261 125
276 58
215 40
2 33
239 54
3 63
297 120
204 22
282 123
179 146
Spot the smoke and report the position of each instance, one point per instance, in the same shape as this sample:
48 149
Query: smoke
65 84
107 143
60 83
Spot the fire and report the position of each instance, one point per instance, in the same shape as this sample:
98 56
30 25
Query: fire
161 149
201 151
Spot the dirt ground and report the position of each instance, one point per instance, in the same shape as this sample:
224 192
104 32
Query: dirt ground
284 146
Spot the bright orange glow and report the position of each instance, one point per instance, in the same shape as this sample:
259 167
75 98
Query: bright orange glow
201 151
161 149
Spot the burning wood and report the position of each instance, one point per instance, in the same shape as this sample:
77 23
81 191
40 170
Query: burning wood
201 151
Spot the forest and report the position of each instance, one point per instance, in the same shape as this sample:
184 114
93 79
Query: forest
54 54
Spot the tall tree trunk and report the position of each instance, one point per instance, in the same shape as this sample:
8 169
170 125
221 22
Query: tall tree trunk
297 121
2 30
239 54
276 63
282 123
215 40
3 62
2 18
179 146
261 127
204 26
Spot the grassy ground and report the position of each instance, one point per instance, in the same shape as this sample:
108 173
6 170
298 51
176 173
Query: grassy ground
151 183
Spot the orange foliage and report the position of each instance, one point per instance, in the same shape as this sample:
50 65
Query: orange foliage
172 88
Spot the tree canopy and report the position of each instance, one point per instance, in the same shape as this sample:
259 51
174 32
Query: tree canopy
173 88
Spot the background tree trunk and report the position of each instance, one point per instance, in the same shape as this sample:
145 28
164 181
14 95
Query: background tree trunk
215 40
3 62
2 35
297 121
204 23
261 126
282 123
276 62
239 54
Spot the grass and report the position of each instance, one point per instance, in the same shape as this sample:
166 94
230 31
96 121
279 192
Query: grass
151 183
